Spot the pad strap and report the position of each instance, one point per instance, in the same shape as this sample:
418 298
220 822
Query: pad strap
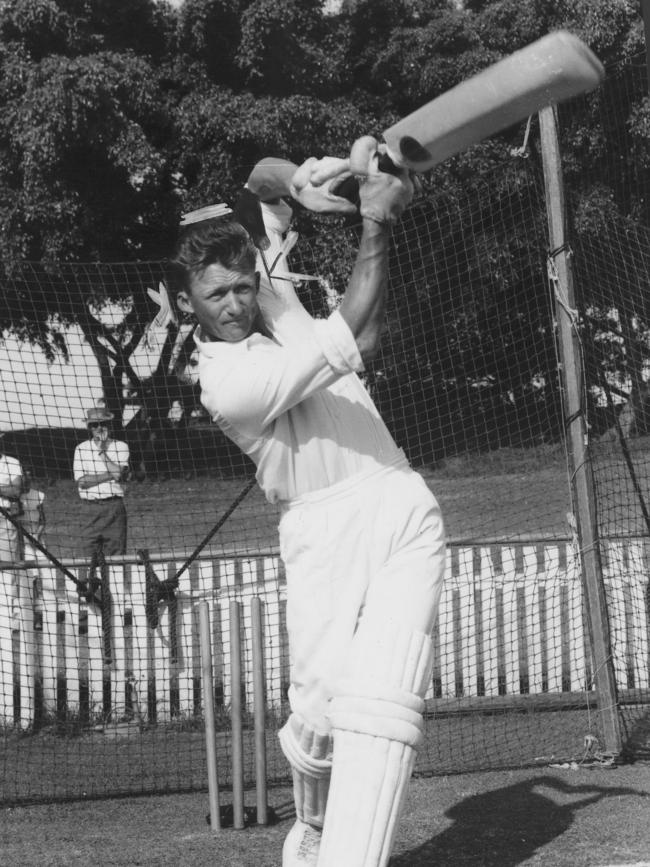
306 750
383 719
310 755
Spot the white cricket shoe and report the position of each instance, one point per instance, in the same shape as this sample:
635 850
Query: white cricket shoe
301 846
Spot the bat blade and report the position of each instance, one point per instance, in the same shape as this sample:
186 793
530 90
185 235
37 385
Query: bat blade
552 69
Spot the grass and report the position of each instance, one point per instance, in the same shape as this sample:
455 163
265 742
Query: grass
575 817
543 815
506 493
505 461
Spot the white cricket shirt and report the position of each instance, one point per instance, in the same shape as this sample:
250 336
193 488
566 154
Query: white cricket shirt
294 403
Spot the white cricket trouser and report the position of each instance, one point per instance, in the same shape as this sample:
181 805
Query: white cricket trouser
371 547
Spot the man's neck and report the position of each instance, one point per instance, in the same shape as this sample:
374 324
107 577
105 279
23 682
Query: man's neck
259 327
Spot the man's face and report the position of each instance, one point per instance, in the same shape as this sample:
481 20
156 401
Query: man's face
224 301
99 431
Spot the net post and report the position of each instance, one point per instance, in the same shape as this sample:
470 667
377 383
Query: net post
208 710
579 456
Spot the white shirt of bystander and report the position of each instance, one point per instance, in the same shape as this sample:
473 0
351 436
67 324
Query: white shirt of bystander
89 460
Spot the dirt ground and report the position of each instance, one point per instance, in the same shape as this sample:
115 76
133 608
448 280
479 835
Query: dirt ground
576 816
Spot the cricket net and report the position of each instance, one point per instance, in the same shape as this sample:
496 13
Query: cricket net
100 660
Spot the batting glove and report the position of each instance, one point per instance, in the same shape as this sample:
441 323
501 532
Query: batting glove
165 313
383 196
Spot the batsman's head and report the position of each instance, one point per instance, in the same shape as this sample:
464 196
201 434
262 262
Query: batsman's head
213 270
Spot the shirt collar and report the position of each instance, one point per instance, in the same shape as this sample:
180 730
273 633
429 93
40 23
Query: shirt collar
212 348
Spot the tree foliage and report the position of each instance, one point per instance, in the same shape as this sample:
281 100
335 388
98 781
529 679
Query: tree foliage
119 115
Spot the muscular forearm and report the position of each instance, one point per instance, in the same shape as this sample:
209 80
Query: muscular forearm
364 303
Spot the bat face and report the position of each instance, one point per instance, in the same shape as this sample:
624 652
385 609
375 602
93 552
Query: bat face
556 67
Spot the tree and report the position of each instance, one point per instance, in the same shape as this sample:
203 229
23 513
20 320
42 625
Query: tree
207 40
419 63
119 115
83 175
73 27
285 48
220 135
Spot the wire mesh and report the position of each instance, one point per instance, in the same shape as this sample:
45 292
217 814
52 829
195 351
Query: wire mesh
101 690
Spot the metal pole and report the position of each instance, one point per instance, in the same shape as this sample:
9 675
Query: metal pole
208 710
573 376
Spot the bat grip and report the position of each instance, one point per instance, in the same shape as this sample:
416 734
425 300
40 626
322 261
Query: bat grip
386 165
349 187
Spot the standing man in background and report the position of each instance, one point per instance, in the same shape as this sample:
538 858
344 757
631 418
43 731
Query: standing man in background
100 467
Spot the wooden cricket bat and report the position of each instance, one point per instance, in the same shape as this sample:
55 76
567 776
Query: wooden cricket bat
552 69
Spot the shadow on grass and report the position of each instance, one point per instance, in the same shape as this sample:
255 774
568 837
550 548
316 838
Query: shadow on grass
506 826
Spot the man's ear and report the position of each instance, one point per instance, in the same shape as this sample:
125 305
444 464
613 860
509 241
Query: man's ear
257 281
183 301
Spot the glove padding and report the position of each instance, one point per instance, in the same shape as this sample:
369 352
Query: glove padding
247 211
383 196
314 182
315 185
270 178
165 313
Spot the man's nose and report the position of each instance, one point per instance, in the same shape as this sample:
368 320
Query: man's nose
234 303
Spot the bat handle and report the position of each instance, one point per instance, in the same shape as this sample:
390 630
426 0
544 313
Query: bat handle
386 165
349 188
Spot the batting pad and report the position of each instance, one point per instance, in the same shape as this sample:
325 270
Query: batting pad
301 846
376 716
310 755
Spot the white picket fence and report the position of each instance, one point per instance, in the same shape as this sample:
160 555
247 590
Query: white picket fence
511 622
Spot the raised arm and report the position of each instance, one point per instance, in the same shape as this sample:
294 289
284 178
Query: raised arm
383 198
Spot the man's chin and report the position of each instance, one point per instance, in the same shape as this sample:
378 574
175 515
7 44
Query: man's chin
233 333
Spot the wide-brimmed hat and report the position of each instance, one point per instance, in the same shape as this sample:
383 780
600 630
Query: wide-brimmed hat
98 413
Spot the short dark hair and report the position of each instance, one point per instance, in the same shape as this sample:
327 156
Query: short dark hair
206 243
